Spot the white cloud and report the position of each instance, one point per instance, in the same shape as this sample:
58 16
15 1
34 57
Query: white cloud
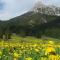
5 15
52 2
14 8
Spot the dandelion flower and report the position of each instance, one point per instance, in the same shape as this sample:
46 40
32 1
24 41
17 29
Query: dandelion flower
29 58
50 48
0 54
53 57
37 50
16 55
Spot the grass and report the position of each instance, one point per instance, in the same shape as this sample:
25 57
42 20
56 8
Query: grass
30 48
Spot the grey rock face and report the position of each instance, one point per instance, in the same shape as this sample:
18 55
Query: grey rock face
46 9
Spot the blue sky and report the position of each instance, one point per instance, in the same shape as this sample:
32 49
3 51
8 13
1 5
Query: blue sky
12 8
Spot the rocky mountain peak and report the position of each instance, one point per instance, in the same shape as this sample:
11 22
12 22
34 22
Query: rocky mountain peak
46 9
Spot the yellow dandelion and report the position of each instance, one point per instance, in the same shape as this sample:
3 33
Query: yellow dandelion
22 47
30 48
49 49
53 57
15 59
17 55
35 45
51 42
29 58
37 50
43 58
0 54
6 46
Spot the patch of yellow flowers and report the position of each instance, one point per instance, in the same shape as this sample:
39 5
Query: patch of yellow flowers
49 50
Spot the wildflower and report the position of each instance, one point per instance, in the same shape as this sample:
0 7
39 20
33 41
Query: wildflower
16 55
37 50
6 46
22 47
53 57
0 54
50 42
35 45
15 59
50 48
30 48
29 58
43 58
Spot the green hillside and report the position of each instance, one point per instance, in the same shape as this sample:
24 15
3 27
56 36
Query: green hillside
31 24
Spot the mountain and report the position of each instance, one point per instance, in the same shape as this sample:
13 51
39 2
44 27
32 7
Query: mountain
33 23
36 24
46 9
